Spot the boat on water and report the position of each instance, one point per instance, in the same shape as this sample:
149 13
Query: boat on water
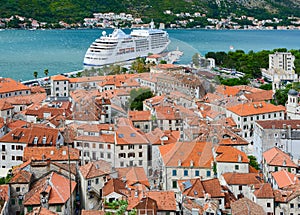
119 47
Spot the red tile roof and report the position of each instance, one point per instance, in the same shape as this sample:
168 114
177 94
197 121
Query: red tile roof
234 178
165 199
103 138
115 185
245 206
139 115
230 154
284 178
260 96
95 169
200 188
27 135
52 153
279 124
276 157
133 175
92 212
263 191
4 105
56 185
21 177
59 78
198 154
127 134
255 108
4 194
159 137
9 85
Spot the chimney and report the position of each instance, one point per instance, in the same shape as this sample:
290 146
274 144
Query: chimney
239 158
179 162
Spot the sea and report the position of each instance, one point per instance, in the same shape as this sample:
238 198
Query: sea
60 51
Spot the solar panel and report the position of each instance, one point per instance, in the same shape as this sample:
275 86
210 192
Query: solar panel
187 184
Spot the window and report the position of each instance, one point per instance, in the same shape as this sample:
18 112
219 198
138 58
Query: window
121 164
140 146
3 148
13 201
89 182
19 158
100 146
108 146
240 187
3 157
298 205
236 167
276 168
130 163
291 205
122 148
245 119
122 155
101 155
268 204
12 147
131 154
97 181
20 201
174 184
185 172
197 173
140 154
58 208
174 172
208 173
130 146
94 145
86 145
140 162
13 158
18 189
108 156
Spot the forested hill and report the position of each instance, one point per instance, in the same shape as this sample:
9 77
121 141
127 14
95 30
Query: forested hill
76 10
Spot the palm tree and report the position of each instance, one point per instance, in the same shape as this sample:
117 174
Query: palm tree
46 72
35 74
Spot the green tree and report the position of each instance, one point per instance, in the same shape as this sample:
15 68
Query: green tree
137 97
35 74
195 60
266 87
253 162
46 72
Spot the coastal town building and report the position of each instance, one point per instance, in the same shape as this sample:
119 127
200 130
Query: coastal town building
14 143
246 114
283 134
10 87
292 105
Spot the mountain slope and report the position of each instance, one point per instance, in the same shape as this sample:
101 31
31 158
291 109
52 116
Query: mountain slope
76 10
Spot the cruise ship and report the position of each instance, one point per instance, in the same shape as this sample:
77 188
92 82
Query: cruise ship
120 47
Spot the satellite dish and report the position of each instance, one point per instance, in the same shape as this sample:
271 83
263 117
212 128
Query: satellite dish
103 33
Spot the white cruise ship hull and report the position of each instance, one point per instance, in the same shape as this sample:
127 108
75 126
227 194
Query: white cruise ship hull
120 47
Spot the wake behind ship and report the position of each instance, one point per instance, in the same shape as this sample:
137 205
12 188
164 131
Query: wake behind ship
120 47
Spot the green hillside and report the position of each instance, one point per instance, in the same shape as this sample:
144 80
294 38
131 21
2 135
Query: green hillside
76 10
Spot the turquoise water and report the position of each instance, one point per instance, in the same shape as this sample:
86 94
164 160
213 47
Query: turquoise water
23 52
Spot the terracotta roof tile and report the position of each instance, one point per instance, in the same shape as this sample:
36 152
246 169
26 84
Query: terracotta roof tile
139 115
9 85
4 105
227 90
58 188
284 178
230 154
52 153
21 177
133 175
165 199
233 178
159 137
198 154
276 157
4 195
59 78
27 135
245 206
115 185
279 124
254 108
95 169
263 191
260 96
92 212
103 138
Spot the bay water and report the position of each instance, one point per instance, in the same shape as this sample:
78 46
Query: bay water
22 52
